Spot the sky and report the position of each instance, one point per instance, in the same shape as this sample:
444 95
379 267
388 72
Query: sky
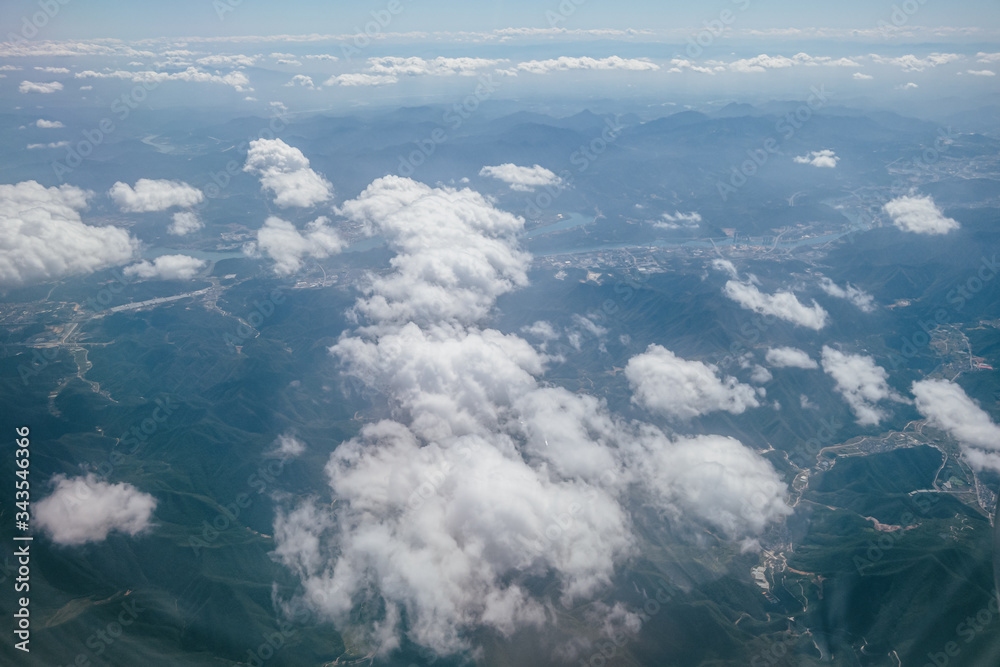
90 19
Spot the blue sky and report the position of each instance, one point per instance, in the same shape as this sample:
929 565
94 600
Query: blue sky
85 19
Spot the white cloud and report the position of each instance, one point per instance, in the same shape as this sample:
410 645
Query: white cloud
395 67
858 76
237 80
154 195
47 124
664 383
987 57
715 478
679 220
907 86
680 64
86 509
301 80
288 247
184 222
524 179
323 56
43 238
285 171
289 61
445 507
761 63
53 70
726 266
863 300
919 215
227 61
946 406
51 144
451 269
783 305
861 382
543 330
789 357
44 88
981 72
565 63
824 158
911 63
287 446
166 267
360 80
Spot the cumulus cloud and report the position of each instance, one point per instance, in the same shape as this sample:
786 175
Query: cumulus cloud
360 79
42 236
679 220
565 63
237 80
287 446
301 80
51 144
218 60
824 158
47 124
395 66
911 63
681 64
783 305
858 76
919 215
85 509
524 179
44 88
726 266
288 247
981 72
444 507
53 70
165 267
154 195
452 269
907 86
761 63
861 382
664 383
285 172
790 357
863 300
184 222
946 406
